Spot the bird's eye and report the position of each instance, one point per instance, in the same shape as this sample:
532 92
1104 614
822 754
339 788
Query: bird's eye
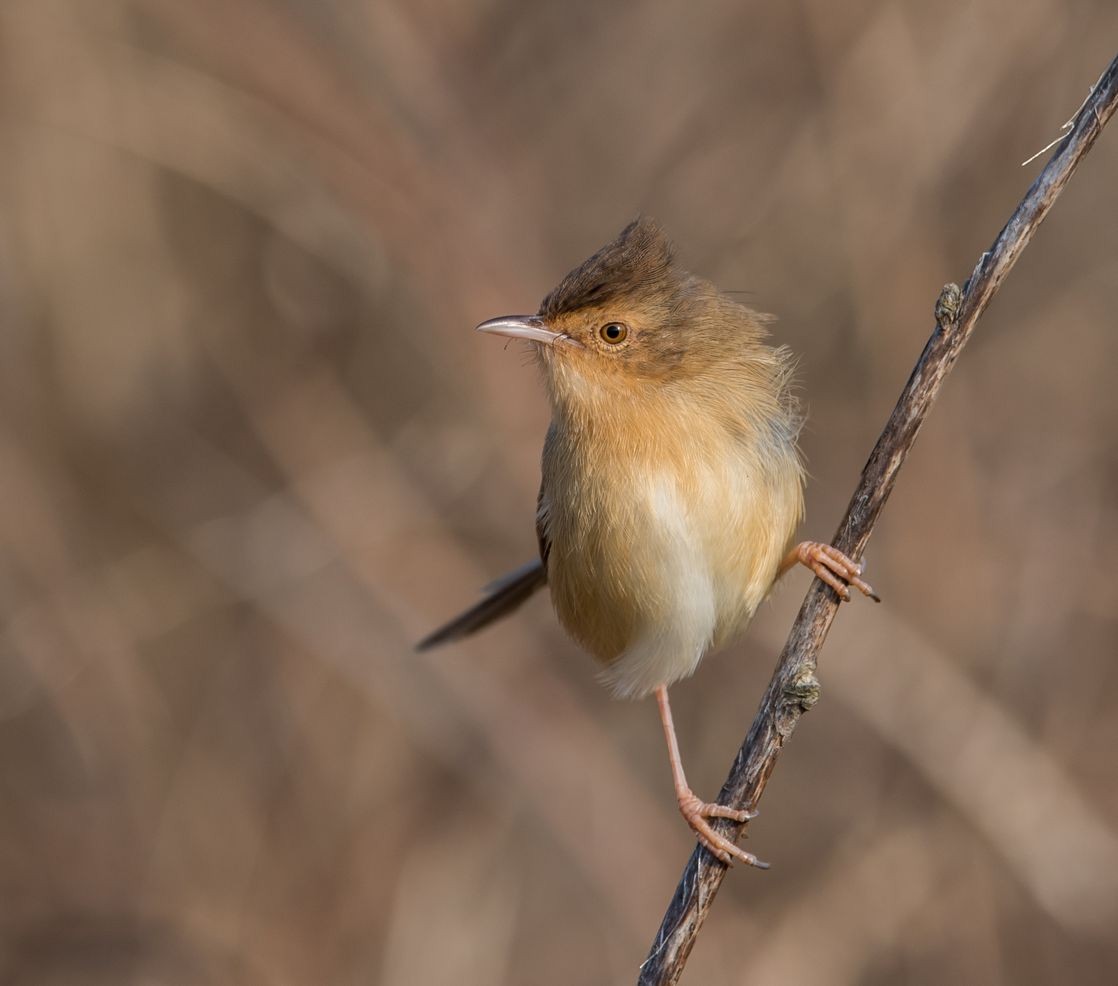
614 332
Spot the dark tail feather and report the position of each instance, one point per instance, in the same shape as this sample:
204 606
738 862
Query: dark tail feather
504 595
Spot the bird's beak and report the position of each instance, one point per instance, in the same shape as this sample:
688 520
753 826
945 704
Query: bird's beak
530 327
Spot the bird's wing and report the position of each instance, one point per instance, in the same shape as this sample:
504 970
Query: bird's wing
543 510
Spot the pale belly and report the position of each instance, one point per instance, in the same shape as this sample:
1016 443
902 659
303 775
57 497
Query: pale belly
674 564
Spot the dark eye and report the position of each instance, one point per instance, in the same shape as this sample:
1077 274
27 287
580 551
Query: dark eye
613 332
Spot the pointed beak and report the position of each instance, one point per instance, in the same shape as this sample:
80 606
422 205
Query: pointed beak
530 327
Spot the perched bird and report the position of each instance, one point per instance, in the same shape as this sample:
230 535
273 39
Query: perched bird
672 483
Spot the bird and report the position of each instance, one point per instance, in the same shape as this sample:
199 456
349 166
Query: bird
671 480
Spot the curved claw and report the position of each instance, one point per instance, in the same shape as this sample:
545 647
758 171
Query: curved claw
834 568
696 812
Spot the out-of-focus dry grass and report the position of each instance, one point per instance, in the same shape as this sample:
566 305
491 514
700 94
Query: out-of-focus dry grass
250 450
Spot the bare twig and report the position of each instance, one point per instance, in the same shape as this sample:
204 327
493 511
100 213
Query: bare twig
793 688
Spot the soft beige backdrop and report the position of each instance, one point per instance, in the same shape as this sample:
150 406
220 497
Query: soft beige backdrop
250 450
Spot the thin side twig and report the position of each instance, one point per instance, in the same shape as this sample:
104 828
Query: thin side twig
793 688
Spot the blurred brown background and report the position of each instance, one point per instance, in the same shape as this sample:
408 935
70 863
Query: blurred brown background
250 450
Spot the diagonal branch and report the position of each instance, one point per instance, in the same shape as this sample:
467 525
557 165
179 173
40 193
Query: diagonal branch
793 688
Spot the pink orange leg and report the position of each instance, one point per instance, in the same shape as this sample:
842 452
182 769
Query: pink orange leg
695 811
831 566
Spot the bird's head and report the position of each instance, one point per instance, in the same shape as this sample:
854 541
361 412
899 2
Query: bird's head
628 319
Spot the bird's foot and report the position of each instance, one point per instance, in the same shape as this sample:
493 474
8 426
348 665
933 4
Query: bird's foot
834 568
696 812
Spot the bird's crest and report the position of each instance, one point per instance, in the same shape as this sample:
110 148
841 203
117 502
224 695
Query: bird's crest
637 262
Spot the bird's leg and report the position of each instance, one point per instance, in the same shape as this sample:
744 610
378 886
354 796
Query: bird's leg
831 566
695 811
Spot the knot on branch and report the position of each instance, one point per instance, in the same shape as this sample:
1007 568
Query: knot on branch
803 691
948 303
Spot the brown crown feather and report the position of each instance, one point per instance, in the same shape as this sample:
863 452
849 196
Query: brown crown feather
639 261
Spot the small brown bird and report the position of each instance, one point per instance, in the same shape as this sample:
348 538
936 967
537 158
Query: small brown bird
672 484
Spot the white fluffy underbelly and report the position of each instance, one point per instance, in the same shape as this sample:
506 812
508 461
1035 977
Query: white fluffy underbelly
706 565
679 628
